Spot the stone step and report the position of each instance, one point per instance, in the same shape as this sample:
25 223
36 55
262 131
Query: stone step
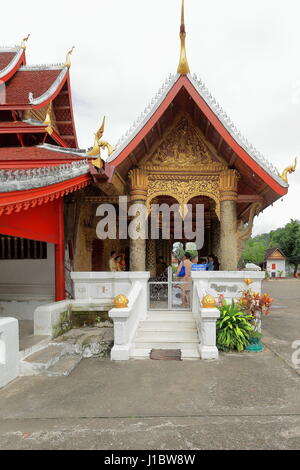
41 343
161 336
165 344
64 366
167 326
170 312
172 316
37 363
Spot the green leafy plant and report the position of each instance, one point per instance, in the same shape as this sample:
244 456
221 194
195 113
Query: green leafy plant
233 328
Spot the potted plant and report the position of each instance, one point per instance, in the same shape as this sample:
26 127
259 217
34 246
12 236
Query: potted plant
255 305
233 327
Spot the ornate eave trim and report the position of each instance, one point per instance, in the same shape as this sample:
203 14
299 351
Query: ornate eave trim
20 180
13 63
41 67
32 199
51 91
144 116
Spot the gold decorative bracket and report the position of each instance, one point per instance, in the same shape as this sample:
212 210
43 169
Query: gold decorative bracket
100 144
48 119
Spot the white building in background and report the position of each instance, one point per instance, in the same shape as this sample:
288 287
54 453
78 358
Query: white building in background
275 262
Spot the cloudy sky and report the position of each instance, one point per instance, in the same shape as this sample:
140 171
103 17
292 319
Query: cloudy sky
247 52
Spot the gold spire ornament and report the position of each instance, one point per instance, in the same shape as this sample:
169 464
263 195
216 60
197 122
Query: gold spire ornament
289 170
24 41
68 58
183 67
48 119
100 144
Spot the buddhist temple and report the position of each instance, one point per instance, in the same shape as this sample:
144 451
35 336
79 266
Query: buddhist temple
182 149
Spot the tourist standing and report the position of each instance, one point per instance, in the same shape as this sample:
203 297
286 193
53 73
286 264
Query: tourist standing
210 264
112 262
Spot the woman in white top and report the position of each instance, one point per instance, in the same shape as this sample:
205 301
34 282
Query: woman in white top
183 273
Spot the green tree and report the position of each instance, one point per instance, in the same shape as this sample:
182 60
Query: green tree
255 249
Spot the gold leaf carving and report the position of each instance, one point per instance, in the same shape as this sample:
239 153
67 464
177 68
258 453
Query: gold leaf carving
184 188
183 148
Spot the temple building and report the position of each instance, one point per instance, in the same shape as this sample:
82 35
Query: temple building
182 149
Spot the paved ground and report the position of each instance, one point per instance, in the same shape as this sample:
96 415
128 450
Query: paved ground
247 400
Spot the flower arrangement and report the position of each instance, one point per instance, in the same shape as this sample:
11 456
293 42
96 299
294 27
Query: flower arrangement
252 303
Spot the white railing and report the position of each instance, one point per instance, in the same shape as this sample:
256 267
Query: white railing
126 321
9 350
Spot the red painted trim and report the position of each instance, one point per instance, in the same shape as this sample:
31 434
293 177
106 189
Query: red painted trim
21 61
60 254
183 81
22 130
18 201
37 223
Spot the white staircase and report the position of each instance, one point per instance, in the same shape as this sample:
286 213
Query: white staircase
167 330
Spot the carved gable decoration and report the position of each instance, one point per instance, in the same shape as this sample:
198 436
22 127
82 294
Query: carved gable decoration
183 148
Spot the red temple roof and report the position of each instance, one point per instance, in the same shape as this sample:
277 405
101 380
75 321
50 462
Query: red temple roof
10 60
5 59
37 82
33 87
187 94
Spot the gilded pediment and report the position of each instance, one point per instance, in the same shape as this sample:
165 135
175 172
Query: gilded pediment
183 148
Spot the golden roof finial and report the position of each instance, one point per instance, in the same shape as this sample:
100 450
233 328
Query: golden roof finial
289 170
48 119
100 144
183 67
68 58
24 40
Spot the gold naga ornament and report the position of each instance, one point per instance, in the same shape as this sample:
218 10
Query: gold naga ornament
121 301
100 144
24 41
68 58
208 301
289 170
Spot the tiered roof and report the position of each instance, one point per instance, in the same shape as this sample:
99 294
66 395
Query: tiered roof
27 92
36 113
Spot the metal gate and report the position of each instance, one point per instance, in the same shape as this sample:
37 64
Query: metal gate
168 292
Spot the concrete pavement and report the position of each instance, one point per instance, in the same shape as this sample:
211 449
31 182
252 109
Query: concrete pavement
246 400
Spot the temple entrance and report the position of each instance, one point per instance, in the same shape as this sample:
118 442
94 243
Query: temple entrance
168 292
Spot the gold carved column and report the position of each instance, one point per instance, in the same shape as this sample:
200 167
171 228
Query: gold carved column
138 195
228 220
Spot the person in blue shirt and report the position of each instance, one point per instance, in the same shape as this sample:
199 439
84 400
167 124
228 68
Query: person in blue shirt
210 265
